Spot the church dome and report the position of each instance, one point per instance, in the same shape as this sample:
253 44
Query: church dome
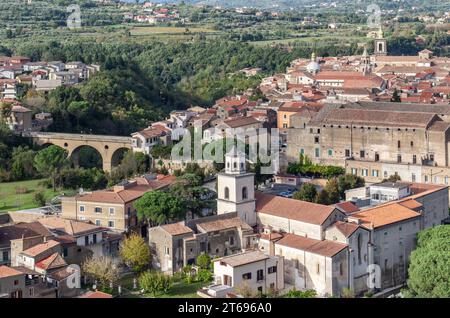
313 67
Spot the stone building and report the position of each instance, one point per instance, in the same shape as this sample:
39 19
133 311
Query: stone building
375 140
178 244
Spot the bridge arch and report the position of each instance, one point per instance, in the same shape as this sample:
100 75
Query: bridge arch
109 147
118 155
86 156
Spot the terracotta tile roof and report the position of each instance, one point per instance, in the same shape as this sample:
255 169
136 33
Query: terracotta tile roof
155 131
40 248
440 126
19 230
411 204
402 107
95 294
70 227
62 273
53 261
325 247
345 116
243 258
6 271
347 207
222 224
292 209
271 237
384 215
346 228
177 228
241 121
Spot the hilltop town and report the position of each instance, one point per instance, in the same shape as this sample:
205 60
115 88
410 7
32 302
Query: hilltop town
121 179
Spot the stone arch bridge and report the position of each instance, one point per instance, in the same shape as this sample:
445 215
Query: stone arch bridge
109 147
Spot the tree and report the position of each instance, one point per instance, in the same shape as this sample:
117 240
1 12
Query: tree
392 178
429 264
203 261
101 269
332 188
307 192
396 97
159 207
155 283
22 167
79 110
135 252
50 161
323 197
349 181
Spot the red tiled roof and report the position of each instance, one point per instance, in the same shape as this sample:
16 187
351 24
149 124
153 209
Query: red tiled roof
347 207
292 209
6 271
53 261
321 247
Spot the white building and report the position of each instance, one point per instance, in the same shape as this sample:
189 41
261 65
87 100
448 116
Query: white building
253 269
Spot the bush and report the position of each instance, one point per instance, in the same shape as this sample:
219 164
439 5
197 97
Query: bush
204 275
203 261
154 283
39 197
294 293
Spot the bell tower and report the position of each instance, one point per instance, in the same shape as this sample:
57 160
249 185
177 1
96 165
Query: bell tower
380 44
236 189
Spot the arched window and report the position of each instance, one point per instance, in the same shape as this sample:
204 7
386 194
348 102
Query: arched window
380 47
235 165
227 193
244 193
242 165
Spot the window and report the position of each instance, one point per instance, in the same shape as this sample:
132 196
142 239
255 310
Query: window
414 161
5 256
112 210
318 268
354 171
98 209
347 153
398 144
82 218
376 196
365 172
16 282
244 193
231 240
65 252
316 139
272 269
98 222
302 151
375 173
86 240
235 165
110 223
412 143
330 152
413 177
362 153
167 250
446 179
260 275
82 208
317 152
247 276
341 269
285 126
426 178
284 116
399 158
385 263
377 156
227 193
431 157
94 238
